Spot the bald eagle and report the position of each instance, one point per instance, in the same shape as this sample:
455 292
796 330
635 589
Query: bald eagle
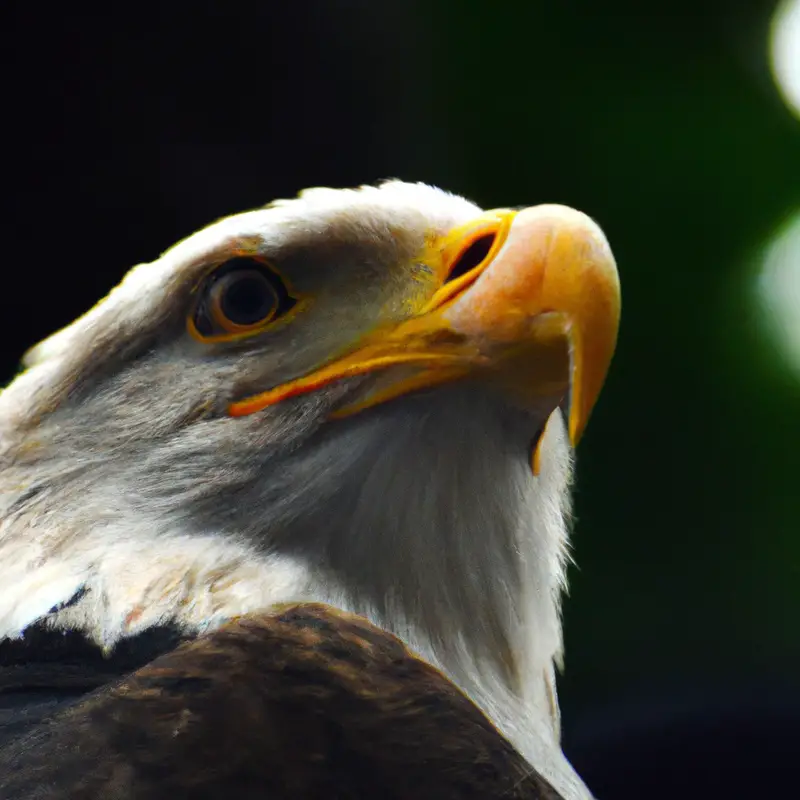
366 399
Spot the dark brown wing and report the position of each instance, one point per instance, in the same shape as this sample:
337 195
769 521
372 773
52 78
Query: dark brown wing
303 702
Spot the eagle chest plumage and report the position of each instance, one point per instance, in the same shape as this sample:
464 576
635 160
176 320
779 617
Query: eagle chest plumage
365 399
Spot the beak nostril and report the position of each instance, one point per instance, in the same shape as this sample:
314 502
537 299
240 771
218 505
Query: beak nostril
472 257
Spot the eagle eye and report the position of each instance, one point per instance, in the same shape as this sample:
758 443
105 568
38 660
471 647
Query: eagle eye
241 296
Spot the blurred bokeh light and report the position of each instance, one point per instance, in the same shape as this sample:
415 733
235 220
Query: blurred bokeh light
779 290
785 51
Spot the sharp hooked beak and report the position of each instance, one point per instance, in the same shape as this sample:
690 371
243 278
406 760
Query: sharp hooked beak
538 316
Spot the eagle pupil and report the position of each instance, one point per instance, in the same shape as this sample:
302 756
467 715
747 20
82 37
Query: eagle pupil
248 298
472 256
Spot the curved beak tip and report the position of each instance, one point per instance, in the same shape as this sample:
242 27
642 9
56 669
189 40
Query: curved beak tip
581 281
554 277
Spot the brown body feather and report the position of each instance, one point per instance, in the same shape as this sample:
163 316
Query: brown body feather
304 702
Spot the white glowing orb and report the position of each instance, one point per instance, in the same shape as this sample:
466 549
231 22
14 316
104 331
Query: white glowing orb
779 290
785 51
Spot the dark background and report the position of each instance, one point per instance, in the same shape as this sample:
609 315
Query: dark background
127 126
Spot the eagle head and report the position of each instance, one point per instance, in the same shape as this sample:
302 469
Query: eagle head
367 398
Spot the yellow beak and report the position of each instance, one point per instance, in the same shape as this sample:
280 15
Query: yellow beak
538 316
